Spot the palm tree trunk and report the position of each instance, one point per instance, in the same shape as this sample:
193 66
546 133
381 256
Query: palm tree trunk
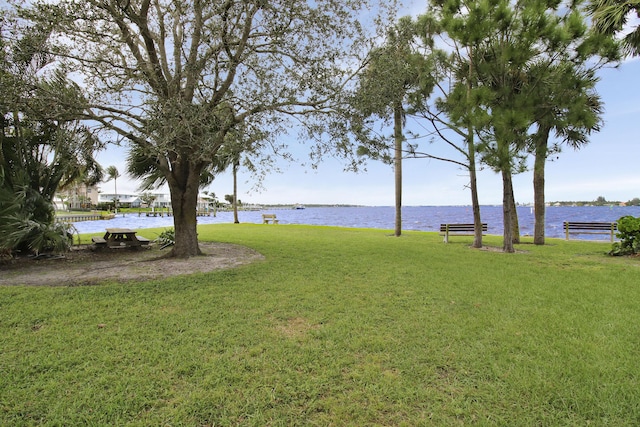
115 188
235 193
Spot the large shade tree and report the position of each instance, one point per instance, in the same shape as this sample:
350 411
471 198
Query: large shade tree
174 77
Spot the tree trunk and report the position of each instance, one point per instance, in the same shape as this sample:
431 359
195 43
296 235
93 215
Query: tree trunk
507 211
235 193
397 132
473 178
515 225
115 202
541 152
473 183
184 200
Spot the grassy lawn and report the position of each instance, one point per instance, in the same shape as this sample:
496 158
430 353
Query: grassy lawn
336 327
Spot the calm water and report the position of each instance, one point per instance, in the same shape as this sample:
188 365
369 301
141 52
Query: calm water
425 218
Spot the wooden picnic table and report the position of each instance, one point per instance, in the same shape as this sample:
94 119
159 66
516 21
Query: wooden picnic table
120 238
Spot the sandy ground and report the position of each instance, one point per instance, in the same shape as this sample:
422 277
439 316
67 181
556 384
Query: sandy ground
83 266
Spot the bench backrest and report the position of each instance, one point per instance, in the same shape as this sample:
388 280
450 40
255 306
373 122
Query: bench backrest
268 215
569 225
461 227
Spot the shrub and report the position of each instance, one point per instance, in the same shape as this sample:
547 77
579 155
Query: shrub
629 235
35 237
167 238
28 224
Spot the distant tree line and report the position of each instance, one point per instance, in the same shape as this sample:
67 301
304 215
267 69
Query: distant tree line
600 201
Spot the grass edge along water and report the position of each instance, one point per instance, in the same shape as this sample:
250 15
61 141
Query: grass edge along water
337 326
417 218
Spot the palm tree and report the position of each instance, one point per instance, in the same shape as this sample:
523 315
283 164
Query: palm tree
611 16
236 165
568 106
113 174
42 145
391 76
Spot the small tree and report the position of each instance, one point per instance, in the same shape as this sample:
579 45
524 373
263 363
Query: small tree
451 113
114 174
600 201
390 79
148 199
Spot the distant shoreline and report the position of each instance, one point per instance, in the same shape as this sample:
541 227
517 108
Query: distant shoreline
525 205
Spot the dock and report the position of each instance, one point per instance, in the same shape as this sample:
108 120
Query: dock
84 217
162 214
154 214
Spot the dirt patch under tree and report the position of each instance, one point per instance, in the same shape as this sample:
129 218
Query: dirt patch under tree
84 266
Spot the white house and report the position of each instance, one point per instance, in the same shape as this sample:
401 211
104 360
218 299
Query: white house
123 199
162 200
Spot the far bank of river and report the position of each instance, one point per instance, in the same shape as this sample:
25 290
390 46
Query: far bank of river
421 218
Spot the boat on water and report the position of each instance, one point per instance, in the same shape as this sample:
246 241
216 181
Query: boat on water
298 207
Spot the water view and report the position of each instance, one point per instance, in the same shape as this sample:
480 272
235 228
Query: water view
421 218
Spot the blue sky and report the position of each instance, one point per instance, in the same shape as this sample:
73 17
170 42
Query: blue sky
608 166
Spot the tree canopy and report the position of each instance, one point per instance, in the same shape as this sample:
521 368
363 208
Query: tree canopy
612 16
515 49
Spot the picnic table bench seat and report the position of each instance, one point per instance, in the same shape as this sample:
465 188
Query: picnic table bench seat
143 240
447 230
99 241
575 227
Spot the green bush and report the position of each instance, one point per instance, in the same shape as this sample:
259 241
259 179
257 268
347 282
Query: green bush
629 235
167 238
28 224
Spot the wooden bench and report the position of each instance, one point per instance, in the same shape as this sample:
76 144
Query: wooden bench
459 230
267 218
608 228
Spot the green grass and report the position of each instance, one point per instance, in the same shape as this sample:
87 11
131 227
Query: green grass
335 327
